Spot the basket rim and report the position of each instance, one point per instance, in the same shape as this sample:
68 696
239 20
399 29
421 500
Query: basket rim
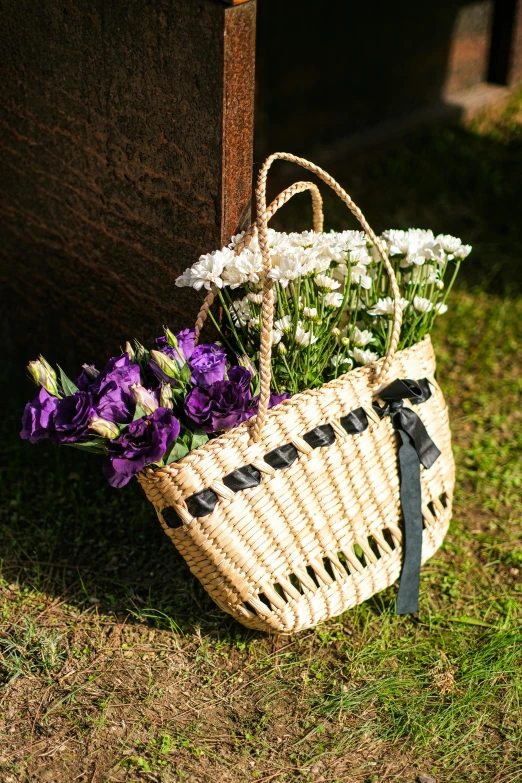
246 426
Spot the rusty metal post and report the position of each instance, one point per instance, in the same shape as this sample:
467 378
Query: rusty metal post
126 132
505 62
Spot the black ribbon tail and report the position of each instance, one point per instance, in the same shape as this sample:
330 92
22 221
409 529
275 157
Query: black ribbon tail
411 502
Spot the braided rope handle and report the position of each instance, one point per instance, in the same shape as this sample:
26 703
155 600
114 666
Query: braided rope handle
265 355
277 203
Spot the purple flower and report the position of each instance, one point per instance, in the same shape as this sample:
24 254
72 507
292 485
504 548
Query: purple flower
111 390
275 399
38 417
73 413
185 340
207 364
86 377
220 405
146 440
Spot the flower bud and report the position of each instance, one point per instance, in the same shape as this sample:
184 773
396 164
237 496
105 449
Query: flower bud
166 396
171 337
103 428
345 341
167 365
90 370
246 362
336 331
129 350
281 347
44 375
143 398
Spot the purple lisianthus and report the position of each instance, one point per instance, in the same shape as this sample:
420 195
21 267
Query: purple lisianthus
275 399
185 339
73 413
221 405
38 418
207 364
86 377
144 441
111 390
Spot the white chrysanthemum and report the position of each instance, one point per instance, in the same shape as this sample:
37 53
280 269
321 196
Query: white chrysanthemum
207 271
422 305
339 360
364 357
303 337
276 336
284 324
440 308
448 243
360 255
240 312
416 245
185 279
362 337
463 252
309 312
255 298
243 268
386 306
333 299
326 283
288 266
361 277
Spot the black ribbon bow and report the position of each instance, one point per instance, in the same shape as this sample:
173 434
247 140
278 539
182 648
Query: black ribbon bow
416 447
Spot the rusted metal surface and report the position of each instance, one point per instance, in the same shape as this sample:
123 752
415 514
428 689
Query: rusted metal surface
117 169
238 118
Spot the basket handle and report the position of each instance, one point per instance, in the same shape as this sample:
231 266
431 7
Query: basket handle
251 233
265 354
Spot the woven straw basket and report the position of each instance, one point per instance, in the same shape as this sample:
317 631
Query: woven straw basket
323 533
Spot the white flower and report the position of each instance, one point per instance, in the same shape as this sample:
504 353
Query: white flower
448 243
284 324
463 252
326 283
255 298
360 277
287 266
386 306
360 255
207 271
362 337
243 268
309 312
185 279
240 312
338 359
334 299
364 357
440 308
276 336
422 305
302 337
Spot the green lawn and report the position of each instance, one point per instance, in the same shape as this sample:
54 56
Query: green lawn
116 666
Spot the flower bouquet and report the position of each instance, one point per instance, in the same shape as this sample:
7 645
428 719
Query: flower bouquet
308 325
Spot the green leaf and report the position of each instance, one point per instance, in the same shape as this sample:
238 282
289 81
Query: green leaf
95 446
198 439
466 620
68 387
177 452
139 413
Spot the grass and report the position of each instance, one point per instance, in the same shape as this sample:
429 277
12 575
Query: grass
116 666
